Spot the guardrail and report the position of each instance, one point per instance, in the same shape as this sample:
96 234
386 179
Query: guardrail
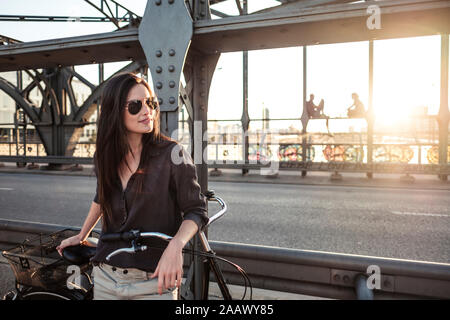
315 273
47 159
381 167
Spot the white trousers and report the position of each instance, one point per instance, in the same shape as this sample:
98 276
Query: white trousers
112 283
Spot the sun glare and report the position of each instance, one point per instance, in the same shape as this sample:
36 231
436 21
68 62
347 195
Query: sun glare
406 79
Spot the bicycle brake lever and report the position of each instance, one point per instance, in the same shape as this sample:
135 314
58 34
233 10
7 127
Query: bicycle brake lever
126 250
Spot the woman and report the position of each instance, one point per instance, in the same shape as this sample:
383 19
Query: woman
140 187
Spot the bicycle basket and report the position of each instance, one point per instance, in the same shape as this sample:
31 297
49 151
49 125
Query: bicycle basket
37 263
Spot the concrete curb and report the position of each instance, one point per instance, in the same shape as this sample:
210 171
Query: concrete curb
288 178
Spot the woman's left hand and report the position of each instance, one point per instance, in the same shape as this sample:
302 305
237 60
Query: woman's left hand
170 267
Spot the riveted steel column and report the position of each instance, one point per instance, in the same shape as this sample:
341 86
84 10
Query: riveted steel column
370 118
59 107
165 35
443 110
203 69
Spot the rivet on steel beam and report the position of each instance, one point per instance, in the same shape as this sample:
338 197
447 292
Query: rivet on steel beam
159 69
172 84
158 53
158 2
160 100
171 68
159 85
171 100
203 81
171 1
171 52
346 279
337 278
202 94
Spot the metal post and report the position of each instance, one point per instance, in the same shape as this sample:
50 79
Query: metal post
305 116
245 120
362 291
370 118
58 87
24 134
201 279
101 79
443 110
202 72
101 73
16 118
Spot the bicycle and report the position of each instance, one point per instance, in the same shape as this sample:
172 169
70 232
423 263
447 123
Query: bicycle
41 274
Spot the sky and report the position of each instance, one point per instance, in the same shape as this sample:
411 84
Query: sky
406 71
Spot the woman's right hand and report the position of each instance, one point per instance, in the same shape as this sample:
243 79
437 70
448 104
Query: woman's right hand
72 241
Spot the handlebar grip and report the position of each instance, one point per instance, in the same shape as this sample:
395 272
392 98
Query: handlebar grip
111 237
127 236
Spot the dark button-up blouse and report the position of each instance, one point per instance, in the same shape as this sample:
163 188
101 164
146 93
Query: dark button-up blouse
170 194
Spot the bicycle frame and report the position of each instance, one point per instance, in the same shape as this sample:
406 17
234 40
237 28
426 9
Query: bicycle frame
133 235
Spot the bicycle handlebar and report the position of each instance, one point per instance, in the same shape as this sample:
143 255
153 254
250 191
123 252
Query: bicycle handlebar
127 236
219 214
133 235
136 234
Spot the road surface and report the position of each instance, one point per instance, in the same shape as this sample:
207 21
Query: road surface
384 222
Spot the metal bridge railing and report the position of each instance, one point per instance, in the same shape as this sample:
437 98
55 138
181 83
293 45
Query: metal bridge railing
315 273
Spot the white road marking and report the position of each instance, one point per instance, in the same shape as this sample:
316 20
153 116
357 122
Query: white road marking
421 214
7 189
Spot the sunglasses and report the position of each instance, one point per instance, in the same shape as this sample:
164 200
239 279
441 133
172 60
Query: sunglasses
134 106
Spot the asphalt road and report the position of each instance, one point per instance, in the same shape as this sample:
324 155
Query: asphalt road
385 222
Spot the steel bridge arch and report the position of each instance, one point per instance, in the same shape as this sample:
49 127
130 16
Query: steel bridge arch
47 117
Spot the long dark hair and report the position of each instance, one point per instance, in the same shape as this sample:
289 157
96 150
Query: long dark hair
112 143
